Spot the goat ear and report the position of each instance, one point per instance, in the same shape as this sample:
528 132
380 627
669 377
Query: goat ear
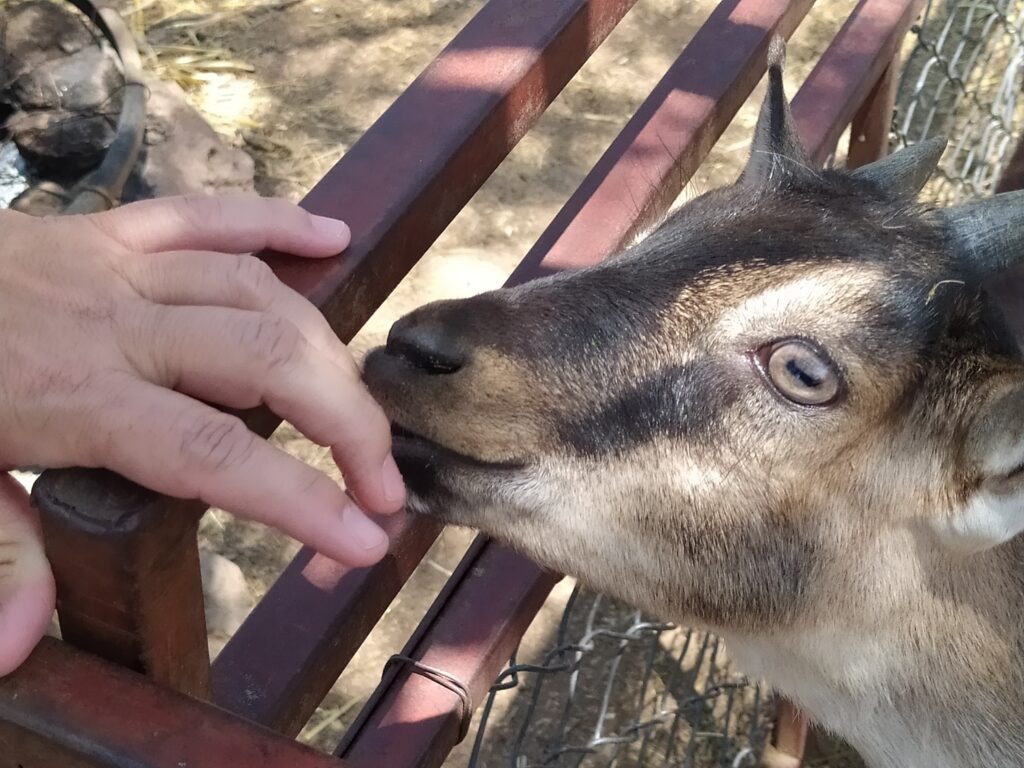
993 511
988 233
905 172
776 150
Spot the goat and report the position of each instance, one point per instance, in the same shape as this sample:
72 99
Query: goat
791 414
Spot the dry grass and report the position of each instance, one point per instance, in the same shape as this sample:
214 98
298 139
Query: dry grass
191 43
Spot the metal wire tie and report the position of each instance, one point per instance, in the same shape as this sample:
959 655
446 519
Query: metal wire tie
442 678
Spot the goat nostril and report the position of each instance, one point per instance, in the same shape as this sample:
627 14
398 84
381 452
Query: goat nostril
427 345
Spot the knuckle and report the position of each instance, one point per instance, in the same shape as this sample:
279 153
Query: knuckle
279 209
200 212
136 324
368 436
378 422
274 340
49 220
101 224
216 442
319 485
382 428
254 279
153 339
96 236
101 229
349 368
93 416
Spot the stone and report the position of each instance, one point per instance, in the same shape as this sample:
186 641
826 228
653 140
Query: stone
6 77
60 142
65 99
182 152
43 199
14 174
226 593
38 31
87 81
66 92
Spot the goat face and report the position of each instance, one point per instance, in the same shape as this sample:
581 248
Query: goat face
777 396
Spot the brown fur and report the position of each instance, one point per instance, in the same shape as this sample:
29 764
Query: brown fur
615 424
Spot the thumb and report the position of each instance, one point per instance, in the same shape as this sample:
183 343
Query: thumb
27 592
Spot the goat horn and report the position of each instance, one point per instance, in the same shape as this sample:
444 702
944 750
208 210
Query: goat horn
905 172
776 148
988 233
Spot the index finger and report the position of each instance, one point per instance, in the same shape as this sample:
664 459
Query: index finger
241 359
225 223
172 444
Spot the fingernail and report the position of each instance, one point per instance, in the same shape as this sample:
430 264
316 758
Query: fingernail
332 228
362 529
394 485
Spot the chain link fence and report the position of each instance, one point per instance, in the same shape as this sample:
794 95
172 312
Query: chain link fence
962 80
618 688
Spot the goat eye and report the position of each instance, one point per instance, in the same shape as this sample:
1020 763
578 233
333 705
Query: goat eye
800 372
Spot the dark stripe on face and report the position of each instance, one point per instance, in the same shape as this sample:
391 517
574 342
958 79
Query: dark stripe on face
680 401
756 573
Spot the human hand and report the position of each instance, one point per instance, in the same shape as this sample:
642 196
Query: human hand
115 326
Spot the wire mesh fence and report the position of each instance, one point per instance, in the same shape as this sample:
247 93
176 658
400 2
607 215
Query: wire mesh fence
962 80
617 688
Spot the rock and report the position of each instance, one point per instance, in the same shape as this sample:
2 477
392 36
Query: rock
39 31
65 93
6 77
61 142
226 592
46 198
14 174
86 82
183 154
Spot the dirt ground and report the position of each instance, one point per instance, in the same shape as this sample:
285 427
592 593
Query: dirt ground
296 82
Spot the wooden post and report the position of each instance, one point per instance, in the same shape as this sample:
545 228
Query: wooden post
126 562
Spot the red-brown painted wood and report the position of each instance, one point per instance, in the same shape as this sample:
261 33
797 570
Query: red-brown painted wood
65 708
398 188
